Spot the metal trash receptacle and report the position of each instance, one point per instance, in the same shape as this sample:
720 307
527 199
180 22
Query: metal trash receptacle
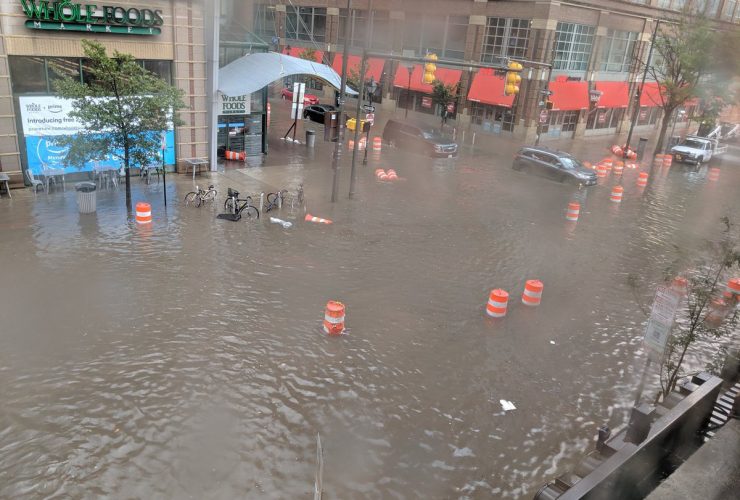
87 196
310 138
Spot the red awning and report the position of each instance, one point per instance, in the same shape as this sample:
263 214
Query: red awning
444 75
615 94
374 66
297 51
650 95
489 89
568 96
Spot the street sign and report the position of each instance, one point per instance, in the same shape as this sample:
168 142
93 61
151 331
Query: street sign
426 102
661 320
368 109
451 107
602 116
543 116
370 118
296 111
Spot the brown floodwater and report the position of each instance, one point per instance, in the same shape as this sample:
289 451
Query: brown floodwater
186 359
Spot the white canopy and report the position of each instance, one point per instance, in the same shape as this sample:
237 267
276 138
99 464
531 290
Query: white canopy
252 72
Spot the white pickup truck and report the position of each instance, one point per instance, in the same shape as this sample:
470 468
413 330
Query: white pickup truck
697 150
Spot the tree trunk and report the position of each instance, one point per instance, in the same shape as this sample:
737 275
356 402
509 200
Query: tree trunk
126 161
667 114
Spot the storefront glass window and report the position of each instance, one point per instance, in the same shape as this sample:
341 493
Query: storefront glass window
59 67
573 45
457 32
163 69
28 74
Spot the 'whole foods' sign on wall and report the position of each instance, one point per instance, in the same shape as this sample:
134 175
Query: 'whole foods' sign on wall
67 16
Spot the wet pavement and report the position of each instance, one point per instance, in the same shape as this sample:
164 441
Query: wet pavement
186 359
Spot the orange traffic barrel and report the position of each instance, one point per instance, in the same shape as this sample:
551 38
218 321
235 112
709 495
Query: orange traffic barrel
616 150
574 209
380 174
607 162
717 311
713 174
642 179
667 160
658 161
601 170
143 213
334 318
631 155
498 301
532 293
618 168
680 285
392 175
617 194
377 143
318 220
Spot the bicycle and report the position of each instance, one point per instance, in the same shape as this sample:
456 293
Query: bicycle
200 196
235 210
275 200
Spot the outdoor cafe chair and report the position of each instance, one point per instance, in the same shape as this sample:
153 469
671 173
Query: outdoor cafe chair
35 183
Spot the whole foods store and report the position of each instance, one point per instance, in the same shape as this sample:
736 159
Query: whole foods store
41 41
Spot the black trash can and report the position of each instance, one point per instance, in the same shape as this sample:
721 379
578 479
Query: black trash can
641 145
87 197
310 138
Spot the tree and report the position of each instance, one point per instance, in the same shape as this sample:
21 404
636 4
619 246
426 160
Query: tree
443 95
702 314
123 109
682 64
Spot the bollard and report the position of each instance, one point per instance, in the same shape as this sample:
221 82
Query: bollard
463 137
334 318
532 293
318 220
262 201
713 174
498 302
143 213
574 209
454 134
473 143
616 196
642 179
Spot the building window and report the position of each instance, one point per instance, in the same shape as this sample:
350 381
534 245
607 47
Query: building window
442 35
730 11
617 50
306 23
570 120
382 37
604 118
264 20
505 37
573 44
28 74
353 27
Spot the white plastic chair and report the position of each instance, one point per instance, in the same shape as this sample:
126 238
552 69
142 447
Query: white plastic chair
35 183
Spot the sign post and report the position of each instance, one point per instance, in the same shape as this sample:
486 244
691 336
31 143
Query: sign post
296 107
164 167
658 329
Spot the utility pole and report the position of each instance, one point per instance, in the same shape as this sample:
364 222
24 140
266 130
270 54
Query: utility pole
544 93
360 90
636 110
337 156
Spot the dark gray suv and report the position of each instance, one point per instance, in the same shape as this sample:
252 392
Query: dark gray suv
553 164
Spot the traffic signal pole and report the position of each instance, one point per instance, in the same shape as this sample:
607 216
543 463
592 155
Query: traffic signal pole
337 156
353 171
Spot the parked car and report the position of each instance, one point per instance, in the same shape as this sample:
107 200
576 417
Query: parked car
553 164
417 138
308 99
697 150
315 112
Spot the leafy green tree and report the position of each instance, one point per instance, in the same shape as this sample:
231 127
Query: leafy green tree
123 109
684 66
443 95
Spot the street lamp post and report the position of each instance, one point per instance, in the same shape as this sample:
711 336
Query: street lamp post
410 67
370 88
337 156
636 105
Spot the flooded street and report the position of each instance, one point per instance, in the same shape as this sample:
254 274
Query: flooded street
186 359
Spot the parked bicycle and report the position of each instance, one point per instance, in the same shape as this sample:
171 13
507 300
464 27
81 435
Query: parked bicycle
200 196
236 207
275 200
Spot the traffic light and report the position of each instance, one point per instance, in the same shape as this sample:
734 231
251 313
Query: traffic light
429 69
511 84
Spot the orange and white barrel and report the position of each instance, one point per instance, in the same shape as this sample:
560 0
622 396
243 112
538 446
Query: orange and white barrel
498 302
631 155
601 170
713 174
143 213
532 293
718 309
658 161
667 160
607 162
392 175
351 144
618 168
377 143
362 144
574 210
616 195
680 285
318 220
642 179
334 318
616 150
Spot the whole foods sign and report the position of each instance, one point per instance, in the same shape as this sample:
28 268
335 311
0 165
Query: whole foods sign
67 16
